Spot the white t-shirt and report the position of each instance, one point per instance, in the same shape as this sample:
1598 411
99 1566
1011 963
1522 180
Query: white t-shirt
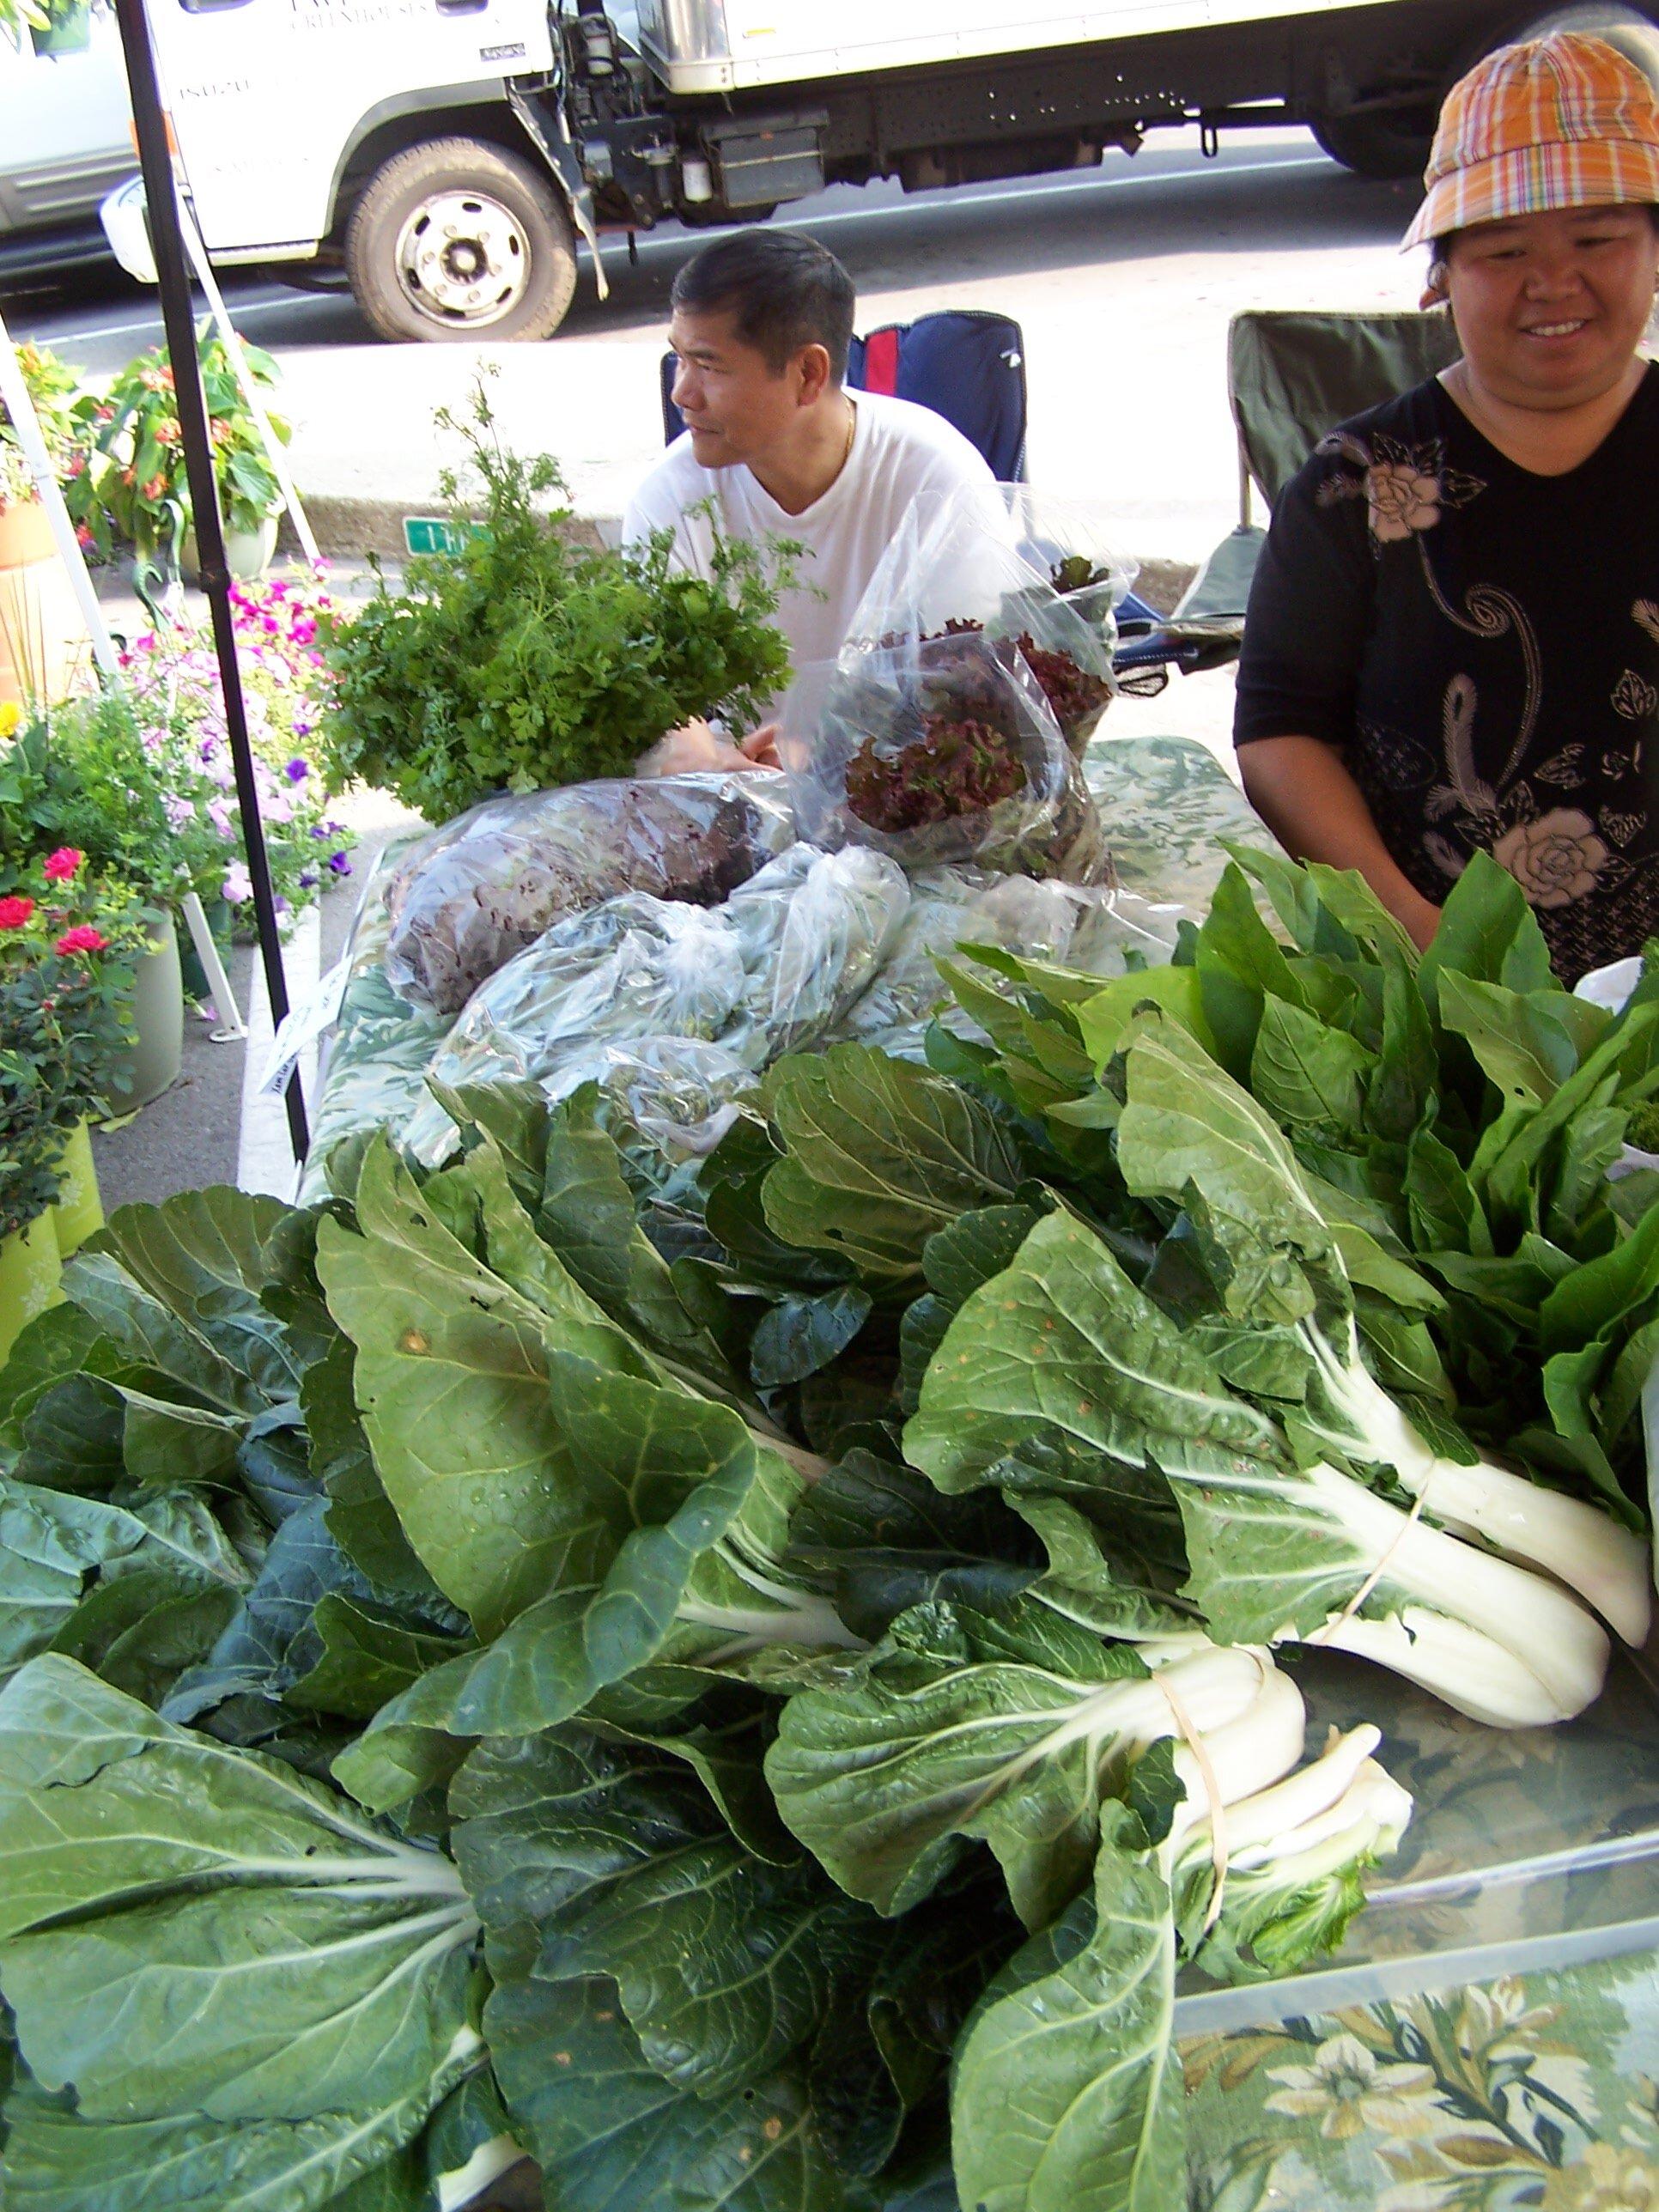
899 451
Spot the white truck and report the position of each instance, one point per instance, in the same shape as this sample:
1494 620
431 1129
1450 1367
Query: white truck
449 154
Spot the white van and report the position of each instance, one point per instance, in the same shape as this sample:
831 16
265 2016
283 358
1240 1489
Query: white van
66 142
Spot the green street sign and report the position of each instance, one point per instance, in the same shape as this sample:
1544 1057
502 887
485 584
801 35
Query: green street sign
429 534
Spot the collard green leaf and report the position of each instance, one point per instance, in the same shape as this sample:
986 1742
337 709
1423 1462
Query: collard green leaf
271 1643
59 1551
56 1345
257 1954
1067 2091
804 1332
647 1480
365 1657
57 2161
73 1436
451 1378
889 1539
957 1726
879 1155
724 1964
1060 1354
612 2135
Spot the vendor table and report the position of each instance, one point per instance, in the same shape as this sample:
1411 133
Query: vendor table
1488 2039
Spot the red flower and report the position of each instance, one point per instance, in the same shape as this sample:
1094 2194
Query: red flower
14 912
63 865
82 938
154 489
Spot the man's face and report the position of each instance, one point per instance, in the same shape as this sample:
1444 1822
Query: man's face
736 406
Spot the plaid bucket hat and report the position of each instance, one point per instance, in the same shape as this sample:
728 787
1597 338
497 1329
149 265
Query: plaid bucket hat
1562 122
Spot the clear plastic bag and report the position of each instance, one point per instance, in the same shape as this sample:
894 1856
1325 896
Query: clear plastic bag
937 753
991 561
1095 930
1071 546
771 970
474 894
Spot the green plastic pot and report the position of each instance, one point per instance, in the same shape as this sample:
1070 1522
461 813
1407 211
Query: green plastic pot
30 1279
79 1212
70 31
152 1062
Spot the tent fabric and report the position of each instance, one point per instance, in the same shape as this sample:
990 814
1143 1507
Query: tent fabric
1292 376
965 364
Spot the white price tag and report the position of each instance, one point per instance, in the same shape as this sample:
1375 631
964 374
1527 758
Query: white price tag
301 1025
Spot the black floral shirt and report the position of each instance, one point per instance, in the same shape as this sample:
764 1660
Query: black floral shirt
1482 645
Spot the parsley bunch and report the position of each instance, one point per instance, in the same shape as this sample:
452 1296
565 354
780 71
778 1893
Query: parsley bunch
519 660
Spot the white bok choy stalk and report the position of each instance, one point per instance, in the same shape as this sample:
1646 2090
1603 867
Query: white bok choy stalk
1577 1543
1493 1639
1292 1858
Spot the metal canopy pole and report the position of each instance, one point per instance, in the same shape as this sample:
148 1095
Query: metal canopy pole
172 281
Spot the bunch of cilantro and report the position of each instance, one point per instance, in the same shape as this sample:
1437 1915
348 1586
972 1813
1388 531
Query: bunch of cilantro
519 660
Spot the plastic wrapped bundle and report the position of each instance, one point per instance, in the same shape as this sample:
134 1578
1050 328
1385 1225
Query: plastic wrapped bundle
1071 546
473 894
773 970
1085 927
938 752
974 560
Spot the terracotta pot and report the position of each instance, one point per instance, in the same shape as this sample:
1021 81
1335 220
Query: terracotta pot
157 1052
79 1212
30 1278
43 634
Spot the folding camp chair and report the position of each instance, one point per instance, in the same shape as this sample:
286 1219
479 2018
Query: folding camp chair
1291 377
967 365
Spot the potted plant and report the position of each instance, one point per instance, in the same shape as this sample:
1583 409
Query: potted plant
64 986
519 660
66 27
141 484
42 632
17 17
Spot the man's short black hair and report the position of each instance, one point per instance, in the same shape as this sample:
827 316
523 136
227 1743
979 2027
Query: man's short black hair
783 291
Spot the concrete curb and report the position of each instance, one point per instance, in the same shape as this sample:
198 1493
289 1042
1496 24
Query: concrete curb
350 528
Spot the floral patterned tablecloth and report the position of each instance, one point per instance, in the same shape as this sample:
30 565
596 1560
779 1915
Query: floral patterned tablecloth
1536 2090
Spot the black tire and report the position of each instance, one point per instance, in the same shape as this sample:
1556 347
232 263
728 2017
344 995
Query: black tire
1381 144
508 218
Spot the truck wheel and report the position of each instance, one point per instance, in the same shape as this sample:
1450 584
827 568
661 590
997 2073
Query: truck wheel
1381 144
458 238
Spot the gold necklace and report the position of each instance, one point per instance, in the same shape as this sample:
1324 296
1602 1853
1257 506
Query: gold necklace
852 432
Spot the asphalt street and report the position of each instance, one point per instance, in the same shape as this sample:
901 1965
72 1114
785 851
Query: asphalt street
1124 278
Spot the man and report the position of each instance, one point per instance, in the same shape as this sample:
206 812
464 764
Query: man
762 323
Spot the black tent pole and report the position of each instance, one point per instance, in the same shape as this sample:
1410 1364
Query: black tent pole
172 282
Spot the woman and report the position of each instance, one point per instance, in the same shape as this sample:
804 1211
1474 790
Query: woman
1453 642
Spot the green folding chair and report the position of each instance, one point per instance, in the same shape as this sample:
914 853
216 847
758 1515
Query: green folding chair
1292 376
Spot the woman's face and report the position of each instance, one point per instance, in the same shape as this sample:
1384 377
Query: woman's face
1550 308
